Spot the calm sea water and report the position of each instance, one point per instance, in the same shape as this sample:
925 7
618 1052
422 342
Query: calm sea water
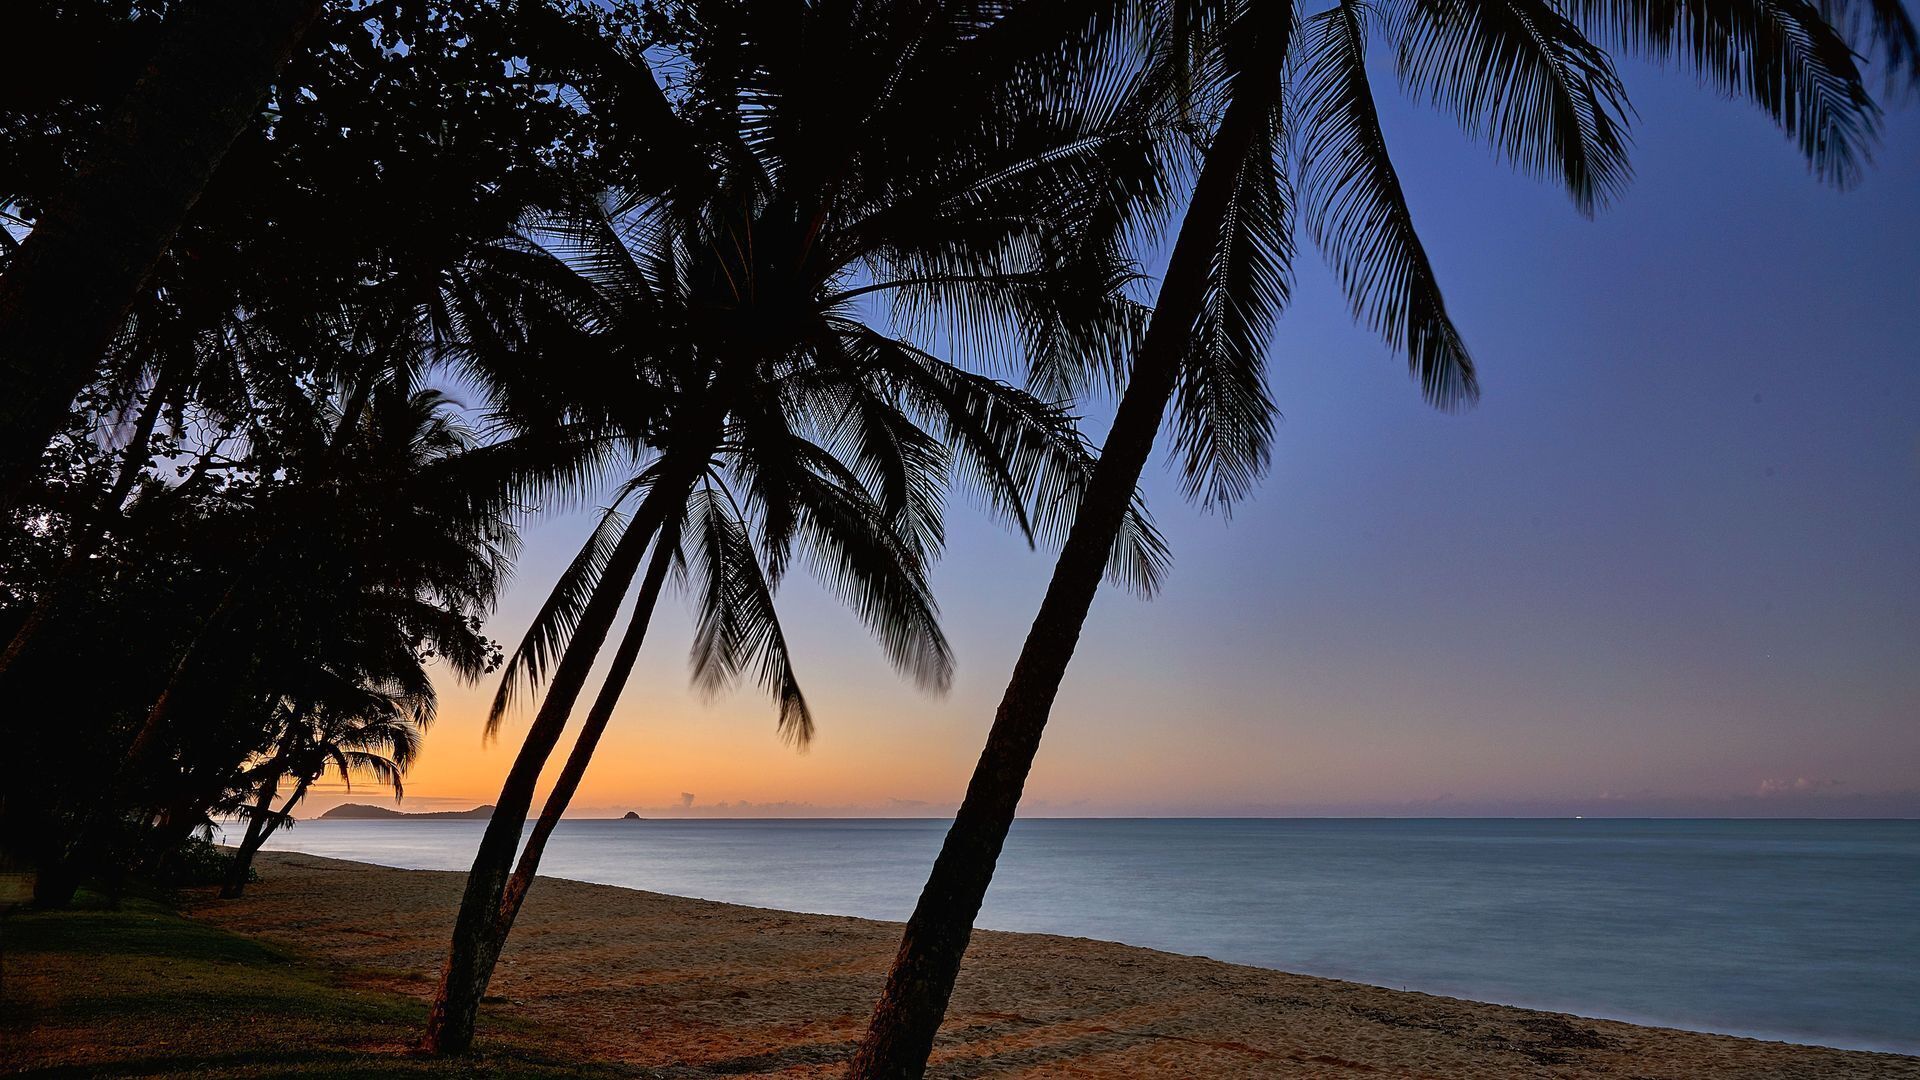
1800 930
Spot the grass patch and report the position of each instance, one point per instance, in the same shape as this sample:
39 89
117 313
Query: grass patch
140 991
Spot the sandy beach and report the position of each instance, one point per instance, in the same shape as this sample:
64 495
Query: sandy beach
678 987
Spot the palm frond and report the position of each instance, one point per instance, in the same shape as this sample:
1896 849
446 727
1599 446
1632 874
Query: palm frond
736 627
856 556
1358 214
1223 420
1884 26
1521 75
1781 55
552 627
1023 457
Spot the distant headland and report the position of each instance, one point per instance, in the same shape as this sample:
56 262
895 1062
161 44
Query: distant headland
363 812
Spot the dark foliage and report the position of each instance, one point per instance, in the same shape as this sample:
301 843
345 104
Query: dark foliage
255 512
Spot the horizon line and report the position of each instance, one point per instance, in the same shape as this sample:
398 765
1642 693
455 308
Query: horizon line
440 816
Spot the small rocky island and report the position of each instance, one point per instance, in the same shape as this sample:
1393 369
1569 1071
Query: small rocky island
632 815
363 812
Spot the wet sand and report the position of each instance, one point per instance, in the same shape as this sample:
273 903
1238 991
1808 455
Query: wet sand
694 988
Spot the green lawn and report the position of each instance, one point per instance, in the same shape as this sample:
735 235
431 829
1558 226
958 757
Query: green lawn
142 992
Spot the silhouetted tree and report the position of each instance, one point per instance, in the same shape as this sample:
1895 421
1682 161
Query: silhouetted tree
373 544
369 726
1517 72
67 289
725 342
334 241
401 140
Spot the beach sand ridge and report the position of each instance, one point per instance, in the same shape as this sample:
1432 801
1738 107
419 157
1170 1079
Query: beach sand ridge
686 987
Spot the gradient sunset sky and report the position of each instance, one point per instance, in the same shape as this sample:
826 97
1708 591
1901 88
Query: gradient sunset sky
1669 565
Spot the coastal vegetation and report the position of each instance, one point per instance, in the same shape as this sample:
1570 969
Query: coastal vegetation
309 306
259 513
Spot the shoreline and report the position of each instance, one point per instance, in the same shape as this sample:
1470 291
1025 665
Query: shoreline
1641 1021
1724 968
656 981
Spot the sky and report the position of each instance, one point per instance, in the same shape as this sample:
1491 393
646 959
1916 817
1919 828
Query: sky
1669 566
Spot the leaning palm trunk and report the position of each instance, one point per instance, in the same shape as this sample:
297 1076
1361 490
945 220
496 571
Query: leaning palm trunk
71 283
900 1035
262 828
583 748
255 836
476 937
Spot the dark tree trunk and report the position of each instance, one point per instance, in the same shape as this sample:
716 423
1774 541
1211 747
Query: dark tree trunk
575 768
475 948
256 835
589 738
135 456
243 867
71 283
189 810
900 1035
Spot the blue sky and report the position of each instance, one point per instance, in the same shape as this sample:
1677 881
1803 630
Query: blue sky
1670 564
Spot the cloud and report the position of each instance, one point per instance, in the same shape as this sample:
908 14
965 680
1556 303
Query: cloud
1611 795
686 800
1797 785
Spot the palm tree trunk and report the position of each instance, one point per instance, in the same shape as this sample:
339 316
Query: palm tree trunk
135 456
475 947
243 859
900 1035
575 768
256 835
590 732
71 282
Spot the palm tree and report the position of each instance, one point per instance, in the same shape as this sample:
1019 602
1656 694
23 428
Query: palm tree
402 138
165 362
362 440
373 732
1520 73
68 286
418 131
723 331
383 546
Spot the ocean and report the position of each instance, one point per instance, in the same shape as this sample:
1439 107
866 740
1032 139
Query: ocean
1807 931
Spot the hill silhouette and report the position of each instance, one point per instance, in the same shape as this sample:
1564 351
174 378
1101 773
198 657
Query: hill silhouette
363 812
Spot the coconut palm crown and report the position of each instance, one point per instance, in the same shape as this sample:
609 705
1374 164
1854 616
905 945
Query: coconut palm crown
749 340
